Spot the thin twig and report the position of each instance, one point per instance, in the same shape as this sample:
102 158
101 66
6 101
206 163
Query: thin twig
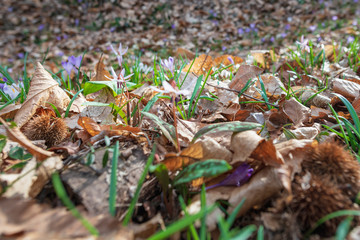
248 96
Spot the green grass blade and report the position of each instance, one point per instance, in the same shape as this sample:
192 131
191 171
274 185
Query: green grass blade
181 224
192 228
232 217
60 192
203 219
235 126
71 102
113 180
331 216
351 110
260 233
55 109
245 233
138 188
343 228
339 122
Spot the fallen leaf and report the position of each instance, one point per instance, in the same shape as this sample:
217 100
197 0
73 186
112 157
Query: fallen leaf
32 178
346 88
244 73
27 219
43 89
201 66
9 111
101 74
296 112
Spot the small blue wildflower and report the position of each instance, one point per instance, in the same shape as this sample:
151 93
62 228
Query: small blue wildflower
312 28
223 48
334 18
21 55
283 35
272 39
240 31
41 27
112 29
287 27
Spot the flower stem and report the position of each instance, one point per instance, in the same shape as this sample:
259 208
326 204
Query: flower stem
175 124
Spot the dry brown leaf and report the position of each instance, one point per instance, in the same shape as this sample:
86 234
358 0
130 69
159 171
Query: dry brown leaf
348 89
243 144
32 178
27 219
273 86
16 135
262 57
244 73
9 111
89 125
184 52
43 89
187 156
267 153
329 52
224 59
101 113
296 112
101 74
201 66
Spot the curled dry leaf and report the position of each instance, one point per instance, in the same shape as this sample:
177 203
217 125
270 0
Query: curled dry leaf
201 66
94 128
249 144
9 111
244 73
187 156
32 178
273 85
16 135
296 112
43 89
27 219
346 88
101 74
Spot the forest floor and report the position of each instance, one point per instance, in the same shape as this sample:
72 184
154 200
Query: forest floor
256 100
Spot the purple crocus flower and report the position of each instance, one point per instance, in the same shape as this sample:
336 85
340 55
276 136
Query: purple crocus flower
75 61
169 64
67 66
350 39
240 31
240 176
3 84
21 55
230 59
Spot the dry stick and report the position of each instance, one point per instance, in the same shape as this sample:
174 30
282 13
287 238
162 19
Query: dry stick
248 96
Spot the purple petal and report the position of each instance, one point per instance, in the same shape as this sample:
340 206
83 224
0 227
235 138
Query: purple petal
67 66
240 176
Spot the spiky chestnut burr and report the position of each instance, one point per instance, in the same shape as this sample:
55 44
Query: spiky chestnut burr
330 160
46 127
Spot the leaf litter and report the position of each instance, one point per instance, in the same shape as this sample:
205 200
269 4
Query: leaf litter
263 125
